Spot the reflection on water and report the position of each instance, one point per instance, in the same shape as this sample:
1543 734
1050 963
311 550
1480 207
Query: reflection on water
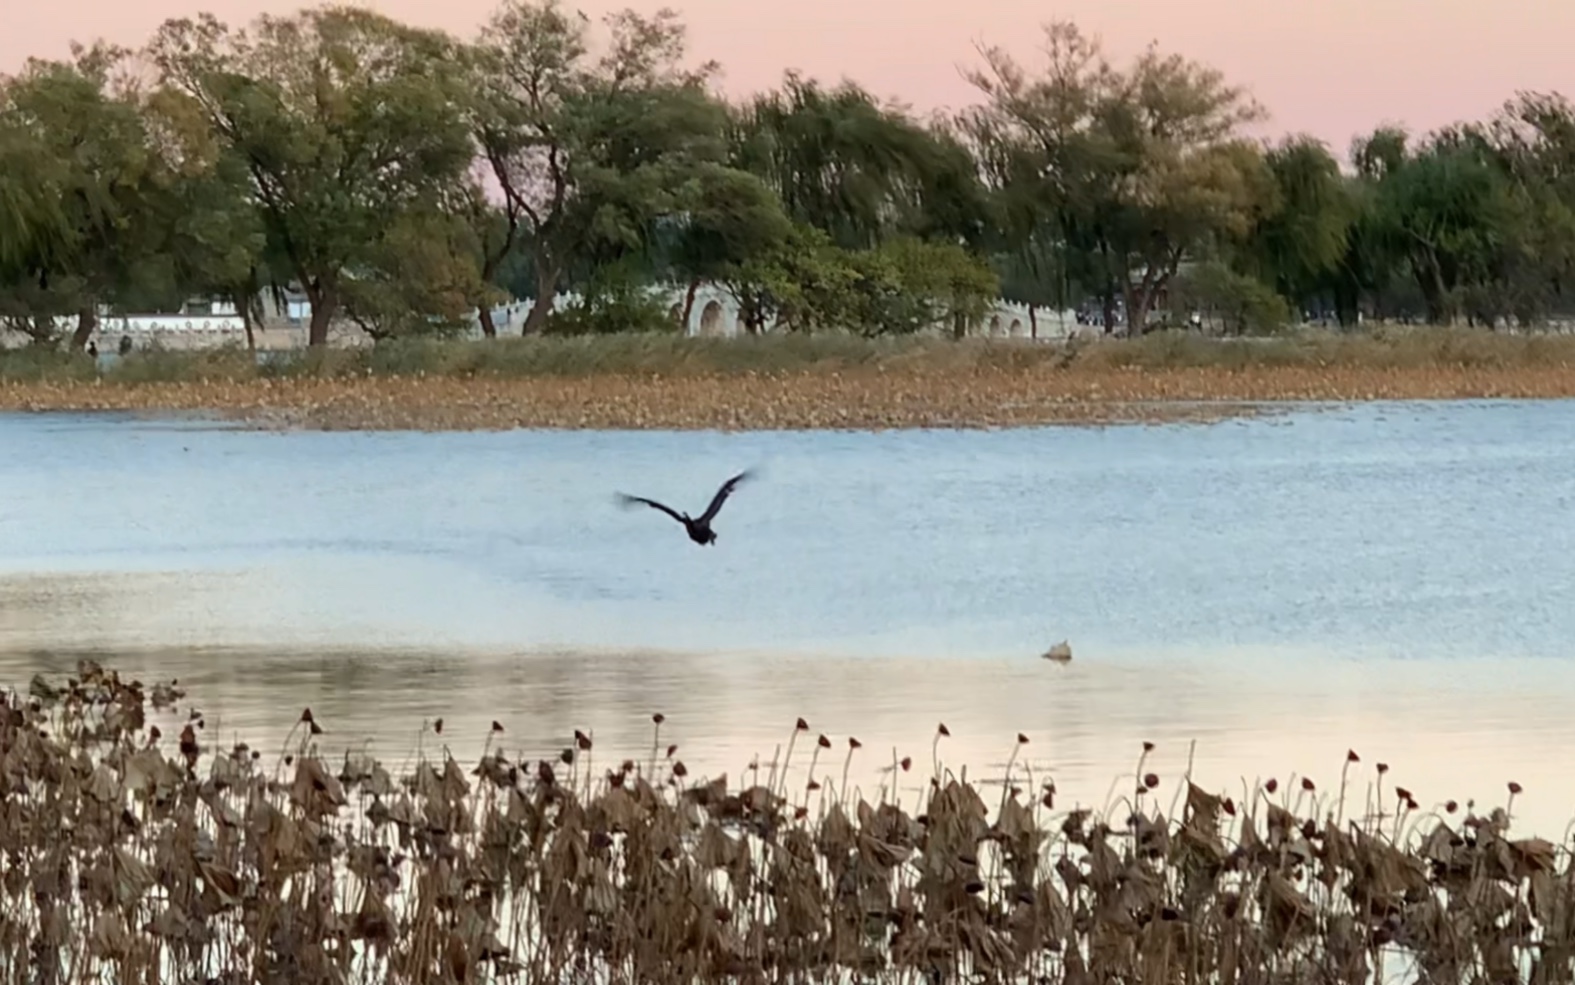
1464 737
1389 578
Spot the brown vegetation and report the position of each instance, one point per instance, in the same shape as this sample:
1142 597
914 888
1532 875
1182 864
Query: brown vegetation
132 855
800 382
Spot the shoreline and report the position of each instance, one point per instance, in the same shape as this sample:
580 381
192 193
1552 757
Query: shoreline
821 398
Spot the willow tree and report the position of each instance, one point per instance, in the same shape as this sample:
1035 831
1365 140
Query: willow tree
591 151
78 200
1532 138
1140 168
1438 210
346 121
1304 231
30 202
1028 246
857 169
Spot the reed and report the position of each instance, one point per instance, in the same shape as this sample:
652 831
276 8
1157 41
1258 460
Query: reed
132 854
1383 347
796 382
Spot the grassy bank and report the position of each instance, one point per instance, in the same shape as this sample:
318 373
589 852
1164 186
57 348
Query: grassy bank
796 381
133 855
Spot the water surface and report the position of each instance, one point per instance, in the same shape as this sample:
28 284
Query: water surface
1389 577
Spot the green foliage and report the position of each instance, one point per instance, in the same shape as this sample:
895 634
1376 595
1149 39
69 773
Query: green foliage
732 217
1129 172
346 120
903 286
800 283
420 278
613 303
860 171
32 220
909 285
591 154
1304 229
1242 305
84 233
406 182
1309 222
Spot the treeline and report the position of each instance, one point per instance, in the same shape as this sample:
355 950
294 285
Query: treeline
402 179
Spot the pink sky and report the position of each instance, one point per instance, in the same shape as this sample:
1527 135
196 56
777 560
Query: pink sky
1332 68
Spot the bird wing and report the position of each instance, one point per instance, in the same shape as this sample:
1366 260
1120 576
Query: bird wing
722 494
628 500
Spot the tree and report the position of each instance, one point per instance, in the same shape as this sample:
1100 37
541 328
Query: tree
1026 243
860 171
421 278
214 232
31 217
907 285
1189 180
798 283
1244 303
1532 141
76 128
1441 210
1053 170
734 217
346 121
1139 168
1304 230
493 239
589 153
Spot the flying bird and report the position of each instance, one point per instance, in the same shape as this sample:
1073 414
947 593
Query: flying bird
698 528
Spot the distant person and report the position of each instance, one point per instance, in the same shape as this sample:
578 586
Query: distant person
92 349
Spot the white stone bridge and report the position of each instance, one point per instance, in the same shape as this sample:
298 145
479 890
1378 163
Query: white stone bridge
714 314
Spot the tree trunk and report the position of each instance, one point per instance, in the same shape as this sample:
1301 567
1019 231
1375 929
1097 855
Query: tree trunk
1033 321
87 321
323 297
245 299
1347 301
546 294
689 303
489 273
1107 297
1136 299
751 310
536 320
322 316
1140 297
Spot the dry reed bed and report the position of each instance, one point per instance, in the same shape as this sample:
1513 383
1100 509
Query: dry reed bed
860 398
801 382
863 400
134 856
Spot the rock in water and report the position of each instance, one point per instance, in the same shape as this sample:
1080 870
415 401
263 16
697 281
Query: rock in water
1060 653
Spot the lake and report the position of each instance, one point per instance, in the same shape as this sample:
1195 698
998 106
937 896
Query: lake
1391 578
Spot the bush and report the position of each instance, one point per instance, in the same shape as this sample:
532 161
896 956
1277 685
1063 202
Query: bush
32 363
613 309
1246 305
